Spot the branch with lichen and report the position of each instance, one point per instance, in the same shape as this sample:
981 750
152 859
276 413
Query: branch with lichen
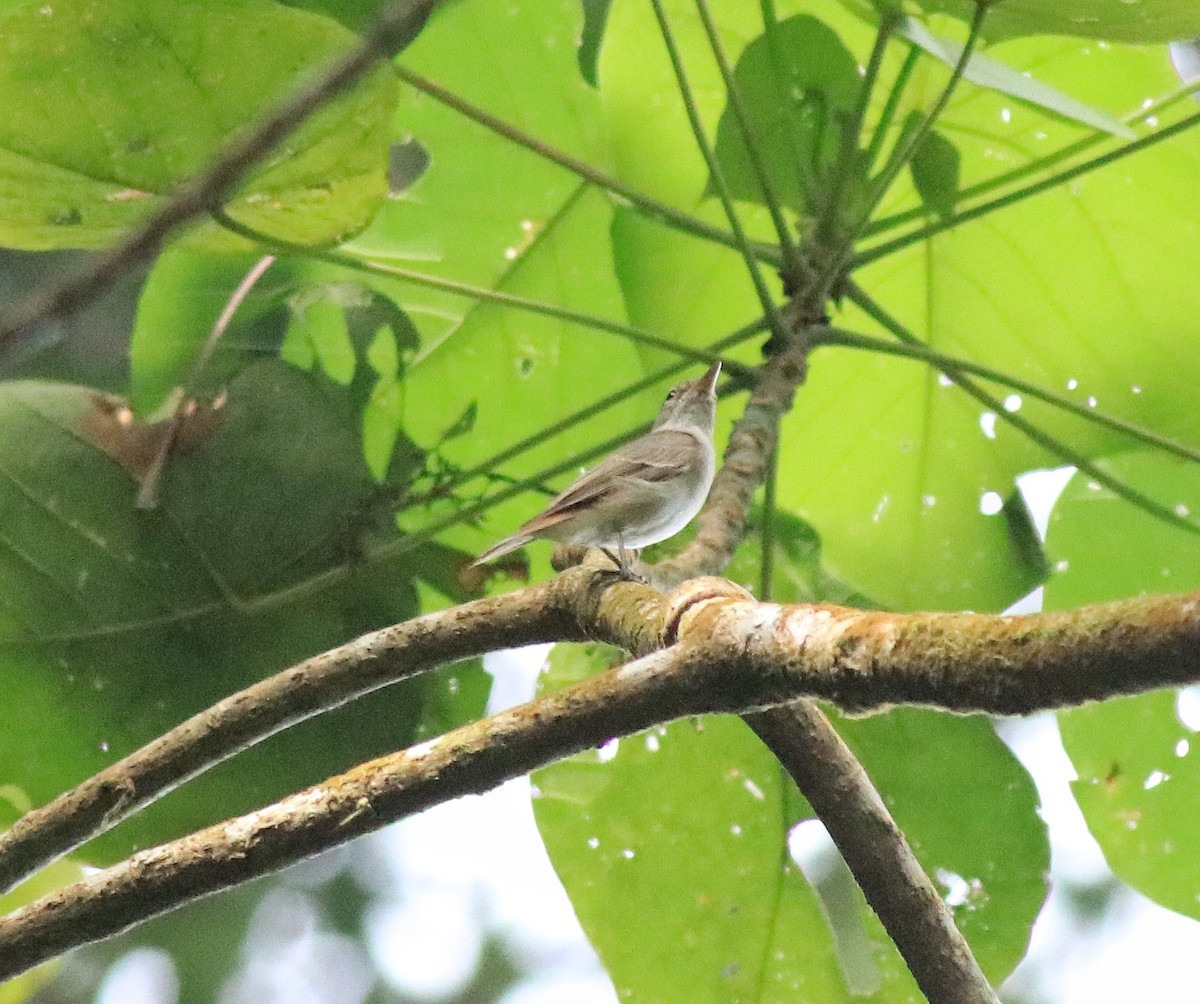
721 651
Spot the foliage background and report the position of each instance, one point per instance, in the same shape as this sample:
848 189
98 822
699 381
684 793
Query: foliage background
355 465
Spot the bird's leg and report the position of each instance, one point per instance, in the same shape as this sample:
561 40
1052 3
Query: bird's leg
625 565
624 570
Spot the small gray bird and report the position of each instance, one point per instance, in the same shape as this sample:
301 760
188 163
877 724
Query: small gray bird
646 491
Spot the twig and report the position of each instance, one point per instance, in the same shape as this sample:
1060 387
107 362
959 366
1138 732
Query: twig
147 496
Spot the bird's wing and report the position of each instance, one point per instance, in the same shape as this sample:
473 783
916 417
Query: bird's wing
651 459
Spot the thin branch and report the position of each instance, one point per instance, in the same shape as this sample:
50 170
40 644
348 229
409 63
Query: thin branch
770 308
851 130
391 31
725 653
841 252
1047 442
147 496
628 331
908 147
653 207
793 263
948 364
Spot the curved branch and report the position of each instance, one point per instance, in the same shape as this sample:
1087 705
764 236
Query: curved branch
727 653
318 684
582 604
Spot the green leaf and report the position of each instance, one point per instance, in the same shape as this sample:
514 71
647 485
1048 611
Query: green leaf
95 94
992 73
1145 21
798 83
674 853
595 14
1135 757
935 169
120 623
652 144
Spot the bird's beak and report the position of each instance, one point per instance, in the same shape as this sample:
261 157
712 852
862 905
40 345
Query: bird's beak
709 380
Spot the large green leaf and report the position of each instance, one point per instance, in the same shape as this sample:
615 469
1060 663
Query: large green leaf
118 623
95 96
1136 758
674 852
1139 22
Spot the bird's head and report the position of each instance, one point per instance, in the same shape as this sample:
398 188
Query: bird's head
691 404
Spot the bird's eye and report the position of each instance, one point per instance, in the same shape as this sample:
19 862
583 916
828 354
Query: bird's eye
672 394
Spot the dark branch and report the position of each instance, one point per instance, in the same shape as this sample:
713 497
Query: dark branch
393 29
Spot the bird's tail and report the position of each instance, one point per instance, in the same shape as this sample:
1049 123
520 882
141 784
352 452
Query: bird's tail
505 546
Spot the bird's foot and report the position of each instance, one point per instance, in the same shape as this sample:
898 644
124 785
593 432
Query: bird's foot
624 570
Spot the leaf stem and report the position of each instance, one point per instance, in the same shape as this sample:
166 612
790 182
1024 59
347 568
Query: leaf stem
1042 163
793 263
886 117
947 364
851 132
659 210
778 326
1019 195
340 258
908 147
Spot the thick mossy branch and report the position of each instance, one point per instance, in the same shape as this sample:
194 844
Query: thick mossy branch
725 653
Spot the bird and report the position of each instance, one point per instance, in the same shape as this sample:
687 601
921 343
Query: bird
644 492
